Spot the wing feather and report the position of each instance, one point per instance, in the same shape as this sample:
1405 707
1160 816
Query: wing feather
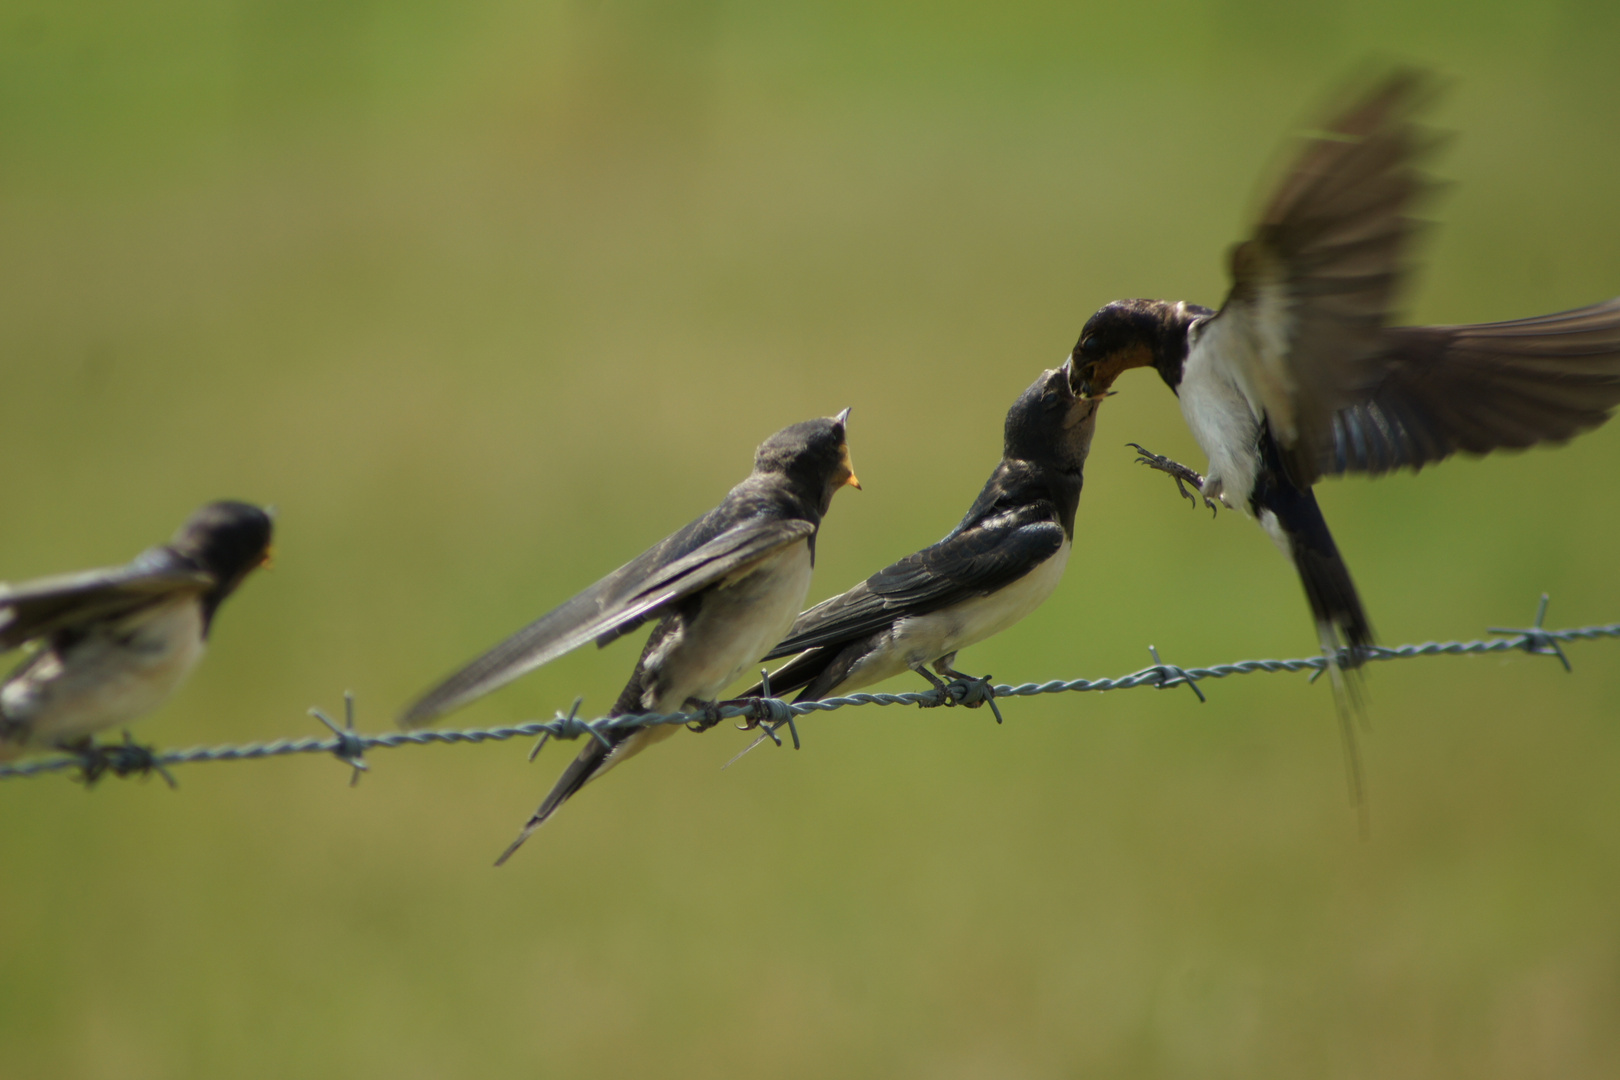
45 605
1475 389
1313 287
970 562
614 606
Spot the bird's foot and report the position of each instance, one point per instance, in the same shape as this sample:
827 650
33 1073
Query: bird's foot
708 714
127 758
1180 473
971 691
938 684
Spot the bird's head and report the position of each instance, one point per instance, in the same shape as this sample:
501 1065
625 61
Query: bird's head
228 539
1050 423
813 455
1128 334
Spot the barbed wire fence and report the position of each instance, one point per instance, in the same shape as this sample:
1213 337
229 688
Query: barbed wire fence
768 713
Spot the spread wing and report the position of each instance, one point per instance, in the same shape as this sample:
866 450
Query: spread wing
1496 386
1313 288
971 562
614 606
45 605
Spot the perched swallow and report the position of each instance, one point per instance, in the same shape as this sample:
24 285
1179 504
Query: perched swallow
1298 377
115 643
725 589
998 565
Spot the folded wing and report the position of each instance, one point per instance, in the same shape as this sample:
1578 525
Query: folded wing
43 606
614 606
970 562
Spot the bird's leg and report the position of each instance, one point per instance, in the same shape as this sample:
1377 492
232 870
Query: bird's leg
976 691
938 684
1178 472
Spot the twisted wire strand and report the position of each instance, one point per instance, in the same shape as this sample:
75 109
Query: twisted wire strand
349 746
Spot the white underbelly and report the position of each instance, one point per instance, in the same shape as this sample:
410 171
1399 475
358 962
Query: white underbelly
923 639
738 623
116 674
1224 426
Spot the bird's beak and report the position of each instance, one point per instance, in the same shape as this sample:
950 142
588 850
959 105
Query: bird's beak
268 562
842 420
1085 392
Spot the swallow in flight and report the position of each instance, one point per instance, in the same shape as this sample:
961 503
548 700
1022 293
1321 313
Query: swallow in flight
1298 376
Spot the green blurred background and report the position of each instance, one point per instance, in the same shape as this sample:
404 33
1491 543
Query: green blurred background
487 297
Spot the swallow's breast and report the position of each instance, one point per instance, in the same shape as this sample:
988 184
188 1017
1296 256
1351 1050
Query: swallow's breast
740 620
116 672
1222 422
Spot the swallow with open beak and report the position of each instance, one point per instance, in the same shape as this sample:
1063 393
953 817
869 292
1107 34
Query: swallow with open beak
724 589
113 644
1001 561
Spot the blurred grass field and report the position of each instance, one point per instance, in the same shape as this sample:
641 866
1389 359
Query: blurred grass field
486 298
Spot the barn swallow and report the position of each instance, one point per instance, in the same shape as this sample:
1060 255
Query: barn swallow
724 589
1298 377
1001 561
113 644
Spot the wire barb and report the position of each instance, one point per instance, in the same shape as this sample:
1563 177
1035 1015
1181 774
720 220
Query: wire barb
1536 641
970 693
1171 675
567 719
350 748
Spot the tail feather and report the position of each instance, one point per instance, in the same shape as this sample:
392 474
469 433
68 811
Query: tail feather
1340 618
577 775
1345 633
595 757
1294 520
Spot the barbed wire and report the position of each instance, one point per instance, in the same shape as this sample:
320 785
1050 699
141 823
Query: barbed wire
768 713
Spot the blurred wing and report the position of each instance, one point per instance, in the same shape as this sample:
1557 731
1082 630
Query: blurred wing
973 562
612 607
45 605
1312 289
1496 386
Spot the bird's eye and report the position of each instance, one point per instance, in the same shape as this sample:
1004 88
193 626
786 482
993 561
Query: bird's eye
1088 345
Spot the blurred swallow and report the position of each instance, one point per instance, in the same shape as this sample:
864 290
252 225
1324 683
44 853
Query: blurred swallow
113 644
1298 376
724 589
1261 380
1001 561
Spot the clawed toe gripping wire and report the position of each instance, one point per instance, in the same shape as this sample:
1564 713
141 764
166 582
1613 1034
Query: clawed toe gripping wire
768 713
121 759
